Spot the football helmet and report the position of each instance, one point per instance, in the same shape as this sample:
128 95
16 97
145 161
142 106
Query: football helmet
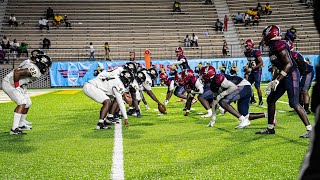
43 62
179 78
126 77
141 77
206 73
188 74
35 53
179 51
249 45
164 77
130 66
152 73
271 33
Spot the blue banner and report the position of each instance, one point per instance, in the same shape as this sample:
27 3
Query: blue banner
77 73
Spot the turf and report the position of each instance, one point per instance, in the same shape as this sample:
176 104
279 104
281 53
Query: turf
64 144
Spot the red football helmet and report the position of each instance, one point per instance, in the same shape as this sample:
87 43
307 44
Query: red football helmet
206 73
179 51
188 74
179 78
249 45
164 77
218 79
271 33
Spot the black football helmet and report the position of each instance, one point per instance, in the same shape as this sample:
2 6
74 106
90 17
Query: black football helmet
140 77
130 66
35 53
43 62
152 73
126 77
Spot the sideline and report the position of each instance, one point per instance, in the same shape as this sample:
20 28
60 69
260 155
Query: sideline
117 171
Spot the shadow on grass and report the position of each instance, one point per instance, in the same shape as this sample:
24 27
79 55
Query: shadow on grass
15 144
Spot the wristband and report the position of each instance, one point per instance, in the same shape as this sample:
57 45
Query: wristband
16 84
283 73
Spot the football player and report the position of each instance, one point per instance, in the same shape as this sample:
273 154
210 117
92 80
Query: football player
253 69
286 81
182 61
144 79
230 89
193 85
104 88
15 84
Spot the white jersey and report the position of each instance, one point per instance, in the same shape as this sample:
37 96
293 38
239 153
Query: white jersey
146 85
33 69
107 84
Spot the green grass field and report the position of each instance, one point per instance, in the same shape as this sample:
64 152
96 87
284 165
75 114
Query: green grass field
64 145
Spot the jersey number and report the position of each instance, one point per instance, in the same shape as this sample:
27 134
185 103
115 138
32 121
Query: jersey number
33 71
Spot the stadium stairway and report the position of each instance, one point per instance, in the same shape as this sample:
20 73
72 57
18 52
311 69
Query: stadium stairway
231 35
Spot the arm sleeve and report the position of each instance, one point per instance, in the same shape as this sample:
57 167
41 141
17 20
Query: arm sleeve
120 102
229 86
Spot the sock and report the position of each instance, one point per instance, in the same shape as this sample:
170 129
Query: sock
110 115
260 98
100 120
23 118
309 128
306 106
187 111
209 111
131 108
247 116
265 114
16 120
241 118
270 126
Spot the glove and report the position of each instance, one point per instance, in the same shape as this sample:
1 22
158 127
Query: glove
274 84
268 89
219 97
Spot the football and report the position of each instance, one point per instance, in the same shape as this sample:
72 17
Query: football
162 108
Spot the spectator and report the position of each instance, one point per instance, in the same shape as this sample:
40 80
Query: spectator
57 20
5 43
259 7
23 49
218 25
107 50
13 20
91 57
198 68
66 21
50 13
14 46
255 20
194 40
46 43
208 2
225 23
187 41
43 23
3 56
238 18
247 19
293 30
267 10
176 6
225 48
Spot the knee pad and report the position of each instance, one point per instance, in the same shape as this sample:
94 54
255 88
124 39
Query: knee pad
22 102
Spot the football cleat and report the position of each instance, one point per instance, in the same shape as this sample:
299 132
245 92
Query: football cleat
222 111
138 114
306 134
25 127
266 131
166 102
16 131
147 107
186 114
308 111
244 124
27 122
253 101
207 115
211 123
131 112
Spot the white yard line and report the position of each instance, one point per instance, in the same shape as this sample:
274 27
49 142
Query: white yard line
4 98
117 159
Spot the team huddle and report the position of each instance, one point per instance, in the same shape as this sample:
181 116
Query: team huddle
214 90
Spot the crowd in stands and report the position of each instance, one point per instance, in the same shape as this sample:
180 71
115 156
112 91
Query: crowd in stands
13 47
253 15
